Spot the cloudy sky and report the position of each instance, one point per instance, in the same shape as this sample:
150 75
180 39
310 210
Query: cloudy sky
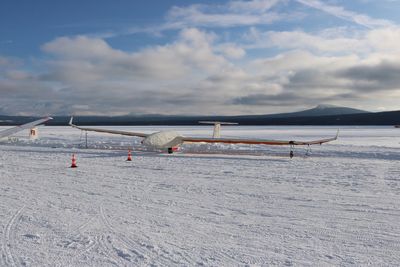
197 57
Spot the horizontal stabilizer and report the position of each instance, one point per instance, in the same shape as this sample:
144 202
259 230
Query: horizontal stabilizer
218 122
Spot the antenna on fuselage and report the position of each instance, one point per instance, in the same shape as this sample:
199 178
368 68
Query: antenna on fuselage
217 126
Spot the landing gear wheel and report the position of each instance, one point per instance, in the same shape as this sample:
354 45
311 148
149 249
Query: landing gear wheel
170 150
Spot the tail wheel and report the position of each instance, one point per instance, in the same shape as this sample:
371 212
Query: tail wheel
291 154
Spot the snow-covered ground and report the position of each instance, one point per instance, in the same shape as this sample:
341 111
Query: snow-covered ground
208 205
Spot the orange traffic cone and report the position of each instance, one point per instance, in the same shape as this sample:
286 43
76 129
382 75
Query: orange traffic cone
73 165
129 156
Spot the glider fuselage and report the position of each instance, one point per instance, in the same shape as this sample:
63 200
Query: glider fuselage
163 139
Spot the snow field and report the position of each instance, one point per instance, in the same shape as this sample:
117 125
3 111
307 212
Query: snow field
217 205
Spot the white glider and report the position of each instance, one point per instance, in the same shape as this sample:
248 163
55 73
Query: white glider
170 139
17 129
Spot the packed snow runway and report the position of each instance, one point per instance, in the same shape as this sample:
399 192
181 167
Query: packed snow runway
207 205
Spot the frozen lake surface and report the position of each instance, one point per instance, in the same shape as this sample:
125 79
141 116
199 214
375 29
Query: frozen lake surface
207 205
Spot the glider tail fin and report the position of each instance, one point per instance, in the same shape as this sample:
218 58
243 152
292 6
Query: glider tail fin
217 126
337 134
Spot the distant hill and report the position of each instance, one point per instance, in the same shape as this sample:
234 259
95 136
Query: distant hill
320 110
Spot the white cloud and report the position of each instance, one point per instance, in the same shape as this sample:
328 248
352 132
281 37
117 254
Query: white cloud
89 72
329 41
232 14
81 47
301 40
257 6
231 50
342 13
91 59
247 13
9 62
386 39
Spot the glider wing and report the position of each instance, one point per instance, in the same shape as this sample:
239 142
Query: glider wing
107 130
17 129
258 141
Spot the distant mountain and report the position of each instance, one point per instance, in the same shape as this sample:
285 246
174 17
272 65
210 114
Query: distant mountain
320 110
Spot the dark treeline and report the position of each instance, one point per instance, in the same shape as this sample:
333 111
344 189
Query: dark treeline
379 118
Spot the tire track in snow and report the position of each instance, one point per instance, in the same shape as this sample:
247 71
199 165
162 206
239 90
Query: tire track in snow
7 238
92 243
139 250
110 227
392 180
85 224
108 249
219 255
